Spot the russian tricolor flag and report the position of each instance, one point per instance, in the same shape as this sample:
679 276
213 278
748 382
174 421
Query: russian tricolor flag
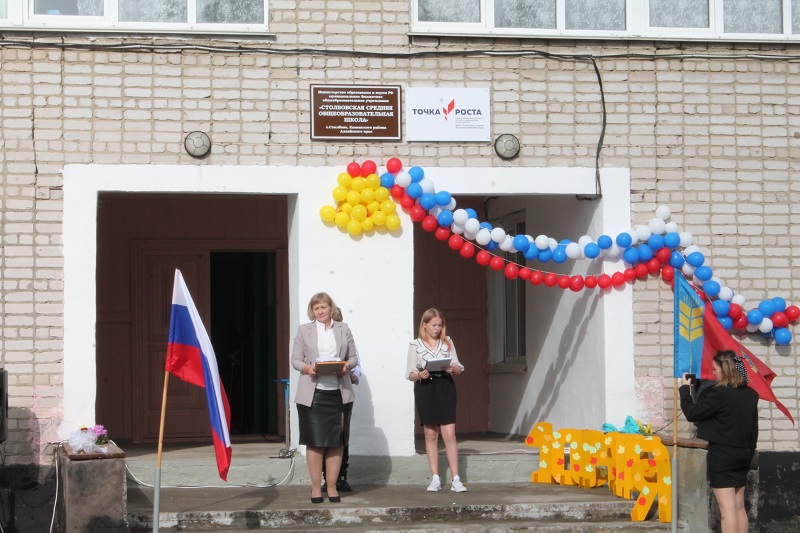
191 358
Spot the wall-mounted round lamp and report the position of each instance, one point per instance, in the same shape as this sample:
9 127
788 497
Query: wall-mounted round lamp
197 144
506 146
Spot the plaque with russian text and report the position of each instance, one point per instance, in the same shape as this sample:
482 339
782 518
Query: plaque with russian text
355 112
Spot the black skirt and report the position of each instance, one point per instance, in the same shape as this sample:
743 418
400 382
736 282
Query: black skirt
321 425
727 466
435 399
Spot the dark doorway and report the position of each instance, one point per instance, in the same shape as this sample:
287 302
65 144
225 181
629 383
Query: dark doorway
244 333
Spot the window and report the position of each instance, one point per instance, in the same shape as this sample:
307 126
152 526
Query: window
705 20
140 16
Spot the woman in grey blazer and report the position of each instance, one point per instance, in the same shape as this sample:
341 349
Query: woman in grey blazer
321 399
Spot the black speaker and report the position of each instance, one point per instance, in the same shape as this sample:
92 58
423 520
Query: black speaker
3 404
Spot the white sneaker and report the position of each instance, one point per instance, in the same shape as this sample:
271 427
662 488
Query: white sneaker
436 484
457 486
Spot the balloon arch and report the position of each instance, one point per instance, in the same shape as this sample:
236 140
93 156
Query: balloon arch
366 201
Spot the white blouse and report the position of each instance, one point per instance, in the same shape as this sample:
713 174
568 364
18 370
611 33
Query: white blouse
419 353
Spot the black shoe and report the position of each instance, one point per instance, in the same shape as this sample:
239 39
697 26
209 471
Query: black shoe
343 486
316 499
334 499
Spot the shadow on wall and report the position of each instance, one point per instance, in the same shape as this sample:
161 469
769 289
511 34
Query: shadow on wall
375 468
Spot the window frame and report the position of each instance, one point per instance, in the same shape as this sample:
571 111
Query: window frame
20 17
637 15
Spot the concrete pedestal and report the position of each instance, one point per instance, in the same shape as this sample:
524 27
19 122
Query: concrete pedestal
93 493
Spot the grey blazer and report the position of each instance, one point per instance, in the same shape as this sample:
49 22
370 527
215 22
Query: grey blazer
306 351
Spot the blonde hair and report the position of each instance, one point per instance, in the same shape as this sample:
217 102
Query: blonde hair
730 376
429 315
322 297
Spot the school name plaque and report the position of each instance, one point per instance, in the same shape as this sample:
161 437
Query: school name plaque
355 112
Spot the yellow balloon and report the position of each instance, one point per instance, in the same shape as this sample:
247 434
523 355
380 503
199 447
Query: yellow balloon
366 224
373 207
346 207
353 198
339 193
344 179
327 213
378 218
358 184
373 181
388 207
382 194
359 212
392 222
354 227
367 195
341 219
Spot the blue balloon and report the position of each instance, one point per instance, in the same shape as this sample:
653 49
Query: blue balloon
564 242
631 255
656 242
782 336
710 287
676 260
592 250
645 253
445 218
414 190
780 304
443 198
726 322
531 253
471 212
604 242
695 259
559 255
754 316
521 243
545 255
486 225
387 180
767 308
703 273
492 246
672 239
427 201
624 240
721 307
416 174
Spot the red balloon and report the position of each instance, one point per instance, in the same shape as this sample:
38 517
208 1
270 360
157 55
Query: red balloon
467 250
368 167
604 281
630 274
496 263
483 258
663 255
735 312
354 169
590 282
429 223
563 281
455 241
641 271
394 165
667 273
536 277
792 313
741 322
654 265
417 213
550 279
779 319
397 192
618 278
511 271
576 283
442 233
525 273
407 202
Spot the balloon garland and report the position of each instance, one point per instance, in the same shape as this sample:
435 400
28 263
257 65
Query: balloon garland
656 248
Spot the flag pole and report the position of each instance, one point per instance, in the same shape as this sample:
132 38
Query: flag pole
157 491
674 455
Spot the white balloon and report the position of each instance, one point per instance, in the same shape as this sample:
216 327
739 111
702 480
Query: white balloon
498 234
553 244
689 250
542 242
573 250
435 210
686 239
718 280
452 204
456 228
643 232
403 179
613 251
508 244
765 326
671 227
657 226
688 270
483 237
752 328
470 235
460 216
472 225
634 237
663 212
725 293
584 240
738 299
427 186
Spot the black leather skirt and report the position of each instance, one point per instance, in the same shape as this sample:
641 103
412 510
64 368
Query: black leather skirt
435 399
322 424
